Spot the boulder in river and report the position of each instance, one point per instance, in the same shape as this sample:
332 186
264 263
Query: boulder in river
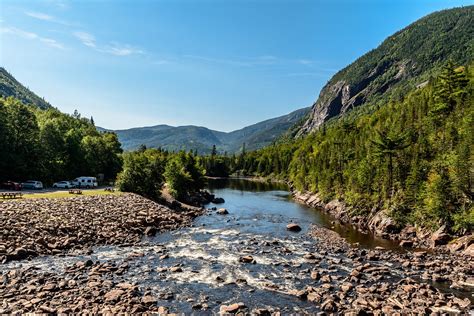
222 211
150 231
218 200
292 227
247 259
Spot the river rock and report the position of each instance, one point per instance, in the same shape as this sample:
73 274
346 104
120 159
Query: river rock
113 295
218 200
469 251
292 227
233 308
440 237
222 211
301 294
315 275
150 231
148 299
462 245
382 224
329 306
247 259
406 243
19 254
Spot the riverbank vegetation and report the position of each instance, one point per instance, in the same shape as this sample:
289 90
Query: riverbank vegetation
145 171
411 156
52 146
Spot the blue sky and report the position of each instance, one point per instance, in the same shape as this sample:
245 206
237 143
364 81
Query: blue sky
223 64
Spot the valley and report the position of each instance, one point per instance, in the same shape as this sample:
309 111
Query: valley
361 204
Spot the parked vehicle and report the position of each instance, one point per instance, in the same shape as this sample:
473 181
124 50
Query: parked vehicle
10 185
85 182
32 184
63 185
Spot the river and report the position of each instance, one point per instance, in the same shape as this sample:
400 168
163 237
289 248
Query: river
207 254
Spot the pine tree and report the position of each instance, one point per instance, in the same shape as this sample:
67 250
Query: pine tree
387 146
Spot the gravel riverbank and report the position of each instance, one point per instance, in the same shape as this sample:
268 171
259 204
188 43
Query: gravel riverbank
43 226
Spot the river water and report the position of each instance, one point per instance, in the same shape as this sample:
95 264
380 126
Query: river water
273 205
209 251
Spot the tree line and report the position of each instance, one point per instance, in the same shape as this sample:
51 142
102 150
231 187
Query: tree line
50 146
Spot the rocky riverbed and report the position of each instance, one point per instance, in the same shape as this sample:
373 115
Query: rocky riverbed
245 260
33 227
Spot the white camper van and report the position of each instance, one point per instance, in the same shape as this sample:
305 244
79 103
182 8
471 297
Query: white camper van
85 182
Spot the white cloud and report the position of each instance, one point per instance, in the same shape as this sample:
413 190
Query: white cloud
86 38
114 48
48 18
122 50
31 36
40 16
51 42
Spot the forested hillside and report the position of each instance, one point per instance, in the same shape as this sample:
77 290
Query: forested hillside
403 61
49 146
202 139
10 87
412 157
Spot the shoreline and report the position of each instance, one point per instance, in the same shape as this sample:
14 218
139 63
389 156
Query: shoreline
250 178
381 225
377 223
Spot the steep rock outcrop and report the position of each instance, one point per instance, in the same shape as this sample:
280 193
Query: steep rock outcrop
402 62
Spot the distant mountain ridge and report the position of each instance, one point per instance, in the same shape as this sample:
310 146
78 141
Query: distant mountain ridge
403 61
202 139
10 87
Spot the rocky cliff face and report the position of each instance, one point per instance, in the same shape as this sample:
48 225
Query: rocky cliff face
403 61
339 97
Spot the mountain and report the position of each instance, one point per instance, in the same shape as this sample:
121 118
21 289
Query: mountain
402 62
10 87
202 139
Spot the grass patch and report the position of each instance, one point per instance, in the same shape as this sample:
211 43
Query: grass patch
64 194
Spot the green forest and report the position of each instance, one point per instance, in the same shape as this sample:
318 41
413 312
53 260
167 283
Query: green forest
412 156
145 171
51 146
